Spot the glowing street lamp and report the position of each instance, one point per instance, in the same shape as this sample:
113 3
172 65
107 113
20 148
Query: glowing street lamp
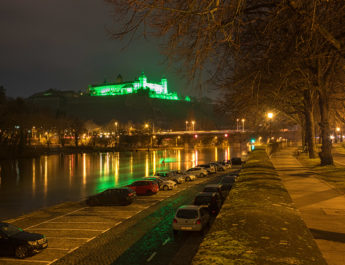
193 122
237 120
243 120
186 125
177 138
146 125
339 136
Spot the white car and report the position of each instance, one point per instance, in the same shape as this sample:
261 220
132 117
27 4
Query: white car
188 177
197 171
209 167
191 218
164 184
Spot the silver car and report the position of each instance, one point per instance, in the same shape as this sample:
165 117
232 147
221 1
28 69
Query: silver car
197 171
188 177
191 218
169 176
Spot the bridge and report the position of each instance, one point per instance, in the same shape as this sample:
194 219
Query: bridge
216 132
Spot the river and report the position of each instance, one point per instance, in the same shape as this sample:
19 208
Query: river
30 184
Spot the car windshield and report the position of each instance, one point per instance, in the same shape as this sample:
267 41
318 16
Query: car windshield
228 180
201 200
10 230
187 214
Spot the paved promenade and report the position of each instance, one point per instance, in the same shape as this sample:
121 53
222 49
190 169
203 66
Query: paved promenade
322 207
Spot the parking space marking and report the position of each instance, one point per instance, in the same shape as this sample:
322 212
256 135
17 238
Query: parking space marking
67 229
52 261
61 237
27 260
166 241
81 223
64 249
114 210
14 220
55 218
90 239
152 256
71 250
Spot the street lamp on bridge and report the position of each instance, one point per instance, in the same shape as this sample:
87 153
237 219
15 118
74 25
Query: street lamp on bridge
243 120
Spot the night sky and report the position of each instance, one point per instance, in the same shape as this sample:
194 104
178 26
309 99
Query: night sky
63 44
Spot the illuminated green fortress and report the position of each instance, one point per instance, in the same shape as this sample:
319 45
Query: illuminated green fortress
155 90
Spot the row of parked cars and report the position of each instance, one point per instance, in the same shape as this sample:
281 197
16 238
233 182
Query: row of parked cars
197 216
151 185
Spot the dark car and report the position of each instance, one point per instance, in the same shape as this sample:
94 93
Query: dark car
210 199
117 196
217 188
228 182
16 242
144 187
236 161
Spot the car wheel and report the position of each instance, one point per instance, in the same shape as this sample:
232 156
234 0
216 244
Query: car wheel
188 179
21 252
165 187
149 192
202 175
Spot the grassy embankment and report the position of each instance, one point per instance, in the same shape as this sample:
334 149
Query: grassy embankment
335 175
258 223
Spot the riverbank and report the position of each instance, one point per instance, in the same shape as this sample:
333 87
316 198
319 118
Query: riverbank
11 152
258 223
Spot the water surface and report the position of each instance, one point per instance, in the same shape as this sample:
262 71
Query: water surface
30 184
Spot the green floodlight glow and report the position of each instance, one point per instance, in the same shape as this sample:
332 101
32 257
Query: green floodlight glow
252 140
156 90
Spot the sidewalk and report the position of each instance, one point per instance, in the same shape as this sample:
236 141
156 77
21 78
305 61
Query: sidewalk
321 206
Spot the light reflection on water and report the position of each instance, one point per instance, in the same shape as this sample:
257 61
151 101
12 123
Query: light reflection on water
29 184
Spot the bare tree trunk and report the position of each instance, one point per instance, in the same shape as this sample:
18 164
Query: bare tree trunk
326 148
302 119
309 123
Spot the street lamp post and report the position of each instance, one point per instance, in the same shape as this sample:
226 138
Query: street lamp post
237 120
186 125
270 117
193 122
115 136
243 120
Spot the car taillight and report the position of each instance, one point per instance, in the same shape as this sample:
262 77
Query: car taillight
175 221
198 222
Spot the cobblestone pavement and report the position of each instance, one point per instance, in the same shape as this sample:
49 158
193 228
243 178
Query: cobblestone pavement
70 225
